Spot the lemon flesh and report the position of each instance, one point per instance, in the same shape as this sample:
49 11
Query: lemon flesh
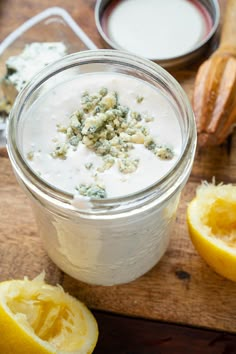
211 218
39 318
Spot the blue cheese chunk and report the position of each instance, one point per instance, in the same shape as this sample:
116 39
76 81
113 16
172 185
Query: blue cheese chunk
21 68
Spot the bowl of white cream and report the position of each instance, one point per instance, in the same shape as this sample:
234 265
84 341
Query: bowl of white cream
103 143
170 32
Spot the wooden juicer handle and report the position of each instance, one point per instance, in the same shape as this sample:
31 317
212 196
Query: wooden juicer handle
214 96
228 34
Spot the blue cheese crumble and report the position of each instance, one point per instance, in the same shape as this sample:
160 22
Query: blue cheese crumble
21 68
111 130
92 191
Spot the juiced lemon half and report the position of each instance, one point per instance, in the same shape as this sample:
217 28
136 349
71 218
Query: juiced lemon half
211 218
37 318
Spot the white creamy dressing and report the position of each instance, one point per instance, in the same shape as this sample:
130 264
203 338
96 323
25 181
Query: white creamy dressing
112 249
156 28
40 132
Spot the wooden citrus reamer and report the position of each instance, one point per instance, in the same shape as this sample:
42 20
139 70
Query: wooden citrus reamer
214 96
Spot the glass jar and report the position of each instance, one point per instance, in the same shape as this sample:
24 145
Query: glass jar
106 241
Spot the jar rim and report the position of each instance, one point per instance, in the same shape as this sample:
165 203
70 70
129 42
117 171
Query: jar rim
213 10
50 192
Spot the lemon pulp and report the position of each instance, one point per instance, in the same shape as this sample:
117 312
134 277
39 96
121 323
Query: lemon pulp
54 321
211 218
221 219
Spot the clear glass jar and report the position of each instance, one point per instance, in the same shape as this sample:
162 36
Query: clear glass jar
106 241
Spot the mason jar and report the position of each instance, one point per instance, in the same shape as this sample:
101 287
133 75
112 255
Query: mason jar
113 240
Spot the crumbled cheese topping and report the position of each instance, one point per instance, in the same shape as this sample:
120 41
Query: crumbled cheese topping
21 68
92 191
30 155
139 99
109 129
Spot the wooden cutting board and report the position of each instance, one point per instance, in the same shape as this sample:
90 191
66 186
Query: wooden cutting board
181 288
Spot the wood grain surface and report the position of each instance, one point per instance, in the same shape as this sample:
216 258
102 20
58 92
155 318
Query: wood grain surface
181 288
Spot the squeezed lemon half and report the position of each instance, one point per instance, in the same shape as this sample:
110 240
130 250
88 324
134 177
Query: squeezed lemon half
37 318
211 218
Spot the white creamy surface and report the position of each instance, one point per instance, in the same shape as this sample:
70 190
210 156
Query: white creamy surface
40 130
156 28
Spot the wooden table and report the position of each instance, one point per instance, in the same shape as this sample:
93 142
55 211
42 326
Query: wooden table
181 305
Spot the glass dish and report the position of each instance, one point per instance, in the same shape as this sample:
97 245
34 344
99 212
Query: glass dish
52 25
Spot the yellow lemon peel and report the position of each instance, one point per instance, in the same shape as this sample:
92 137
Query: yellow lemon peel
211 218
39 318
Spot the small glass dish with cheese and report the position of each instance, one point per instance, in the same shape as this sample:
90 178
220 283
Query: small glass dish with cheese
39 41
